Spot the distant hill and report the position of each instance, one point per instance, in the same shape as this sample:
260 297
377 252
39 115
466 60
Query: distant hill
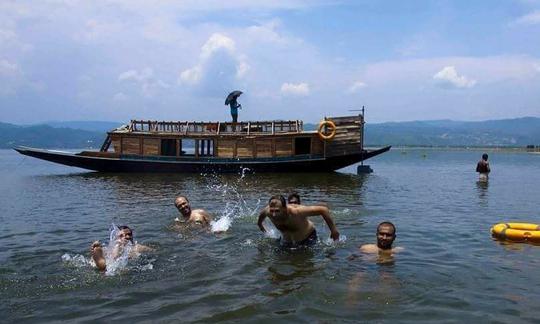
506 132
95 126
44 136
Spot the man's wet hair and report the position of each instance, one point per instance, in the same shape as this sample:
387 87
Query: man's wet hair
294 195
181 197
123 227
484 156
280 198
386 224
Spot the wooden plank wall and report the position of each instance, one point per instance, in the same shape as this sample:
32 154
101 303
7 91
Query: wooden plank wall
348 136
151 146
244 149
131 145
263 147
225 148
284 146
115 141
317 145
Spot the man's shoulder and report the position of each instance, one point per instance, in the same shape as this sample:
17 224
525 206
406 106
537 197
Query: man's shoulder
369 248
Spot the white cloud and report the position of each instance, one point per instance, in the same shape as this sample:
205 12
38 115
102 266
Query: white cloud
8 69
191 76
448 77
215 43
356 86
298 89
217 59
120 97
145 78
532 18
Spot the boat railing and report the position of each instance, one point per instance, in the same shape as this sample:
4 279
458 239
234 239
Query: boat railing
217 128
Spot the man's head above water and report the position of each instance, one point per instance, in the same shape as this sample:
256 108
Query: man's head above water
125 234
294 199
277 206
182 204
386 234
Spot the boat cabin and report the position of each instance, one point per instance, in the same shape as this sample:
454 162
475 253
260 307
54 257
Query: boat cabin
242 140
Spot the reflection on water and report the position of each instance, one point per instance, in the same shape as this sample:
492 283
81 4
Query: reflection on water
447 271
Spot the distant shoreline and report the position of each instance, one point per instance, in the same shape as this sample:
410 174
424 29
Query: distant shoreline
463 148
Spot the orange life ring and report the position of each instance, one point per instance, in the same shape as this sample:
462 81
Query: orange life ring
329 125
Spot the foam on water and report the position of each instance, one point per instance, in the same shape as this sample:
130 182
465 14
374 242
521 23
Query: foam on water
236 205
116 254
77 260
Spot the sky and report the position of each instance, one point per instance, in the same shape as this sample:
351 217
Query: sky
116 60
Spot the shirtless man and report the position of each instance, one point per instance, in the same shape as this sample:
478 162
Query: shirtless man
386 234
195 216
483 168
124 237
292 221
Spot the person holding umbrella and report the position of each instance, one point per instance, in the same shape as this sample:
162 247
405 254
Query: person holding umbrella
231 101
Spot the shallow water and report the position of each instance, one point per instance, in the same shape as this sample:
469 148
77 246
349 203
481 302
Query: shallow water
451 269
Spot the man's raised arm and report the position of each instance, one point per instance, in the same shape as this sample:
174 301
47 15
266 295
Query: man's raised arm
308 211
262 216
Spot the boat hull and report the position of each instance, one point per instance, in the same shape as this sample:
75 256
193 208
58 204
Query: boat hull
192 165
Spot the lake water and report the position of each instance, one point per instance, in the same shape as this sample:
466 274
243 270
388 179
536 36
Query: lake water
451 269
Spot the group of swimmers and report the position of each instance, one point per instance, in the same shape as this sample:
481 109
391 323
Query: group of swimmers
289 216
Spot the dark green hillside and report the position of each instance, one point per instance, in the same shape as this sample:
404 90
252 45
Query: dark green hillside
43 136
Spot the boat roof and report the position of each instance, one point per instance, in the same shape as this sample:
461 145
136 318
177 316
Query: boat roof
211 128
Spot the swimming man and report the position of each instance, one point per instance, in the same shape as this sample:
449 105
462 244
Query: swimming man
195 216
483 168
124 237
292 221
386 234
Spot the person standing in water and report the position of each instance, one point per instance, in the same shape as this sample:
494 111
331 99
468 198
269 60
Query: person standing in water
293 223
482 167
124 238
195 216
386 234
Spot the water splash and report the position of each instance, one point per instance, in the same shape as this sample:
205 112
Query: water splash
116 253
330 242
221 225
271 233
76 260
236 205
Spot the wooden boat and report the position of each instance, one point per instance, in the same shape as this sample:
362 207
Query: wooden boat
259 146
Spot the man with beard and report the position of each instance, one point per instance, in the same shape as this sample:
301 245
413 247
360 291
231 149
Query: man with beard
194 216
386 234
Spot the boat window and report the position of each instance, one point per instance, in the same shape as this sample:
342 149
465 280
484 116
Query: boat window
187 147
206 147
302 145
168 147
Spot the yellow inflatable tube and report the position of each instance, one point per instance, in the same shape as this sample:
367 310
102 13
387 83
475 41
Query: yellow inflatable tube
517 232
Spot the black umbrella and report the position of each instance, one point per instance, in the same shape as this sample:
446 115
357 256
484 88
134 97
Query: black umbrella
232 96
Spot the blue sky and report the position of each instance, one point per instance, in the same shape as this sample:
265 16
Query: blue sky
177 60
